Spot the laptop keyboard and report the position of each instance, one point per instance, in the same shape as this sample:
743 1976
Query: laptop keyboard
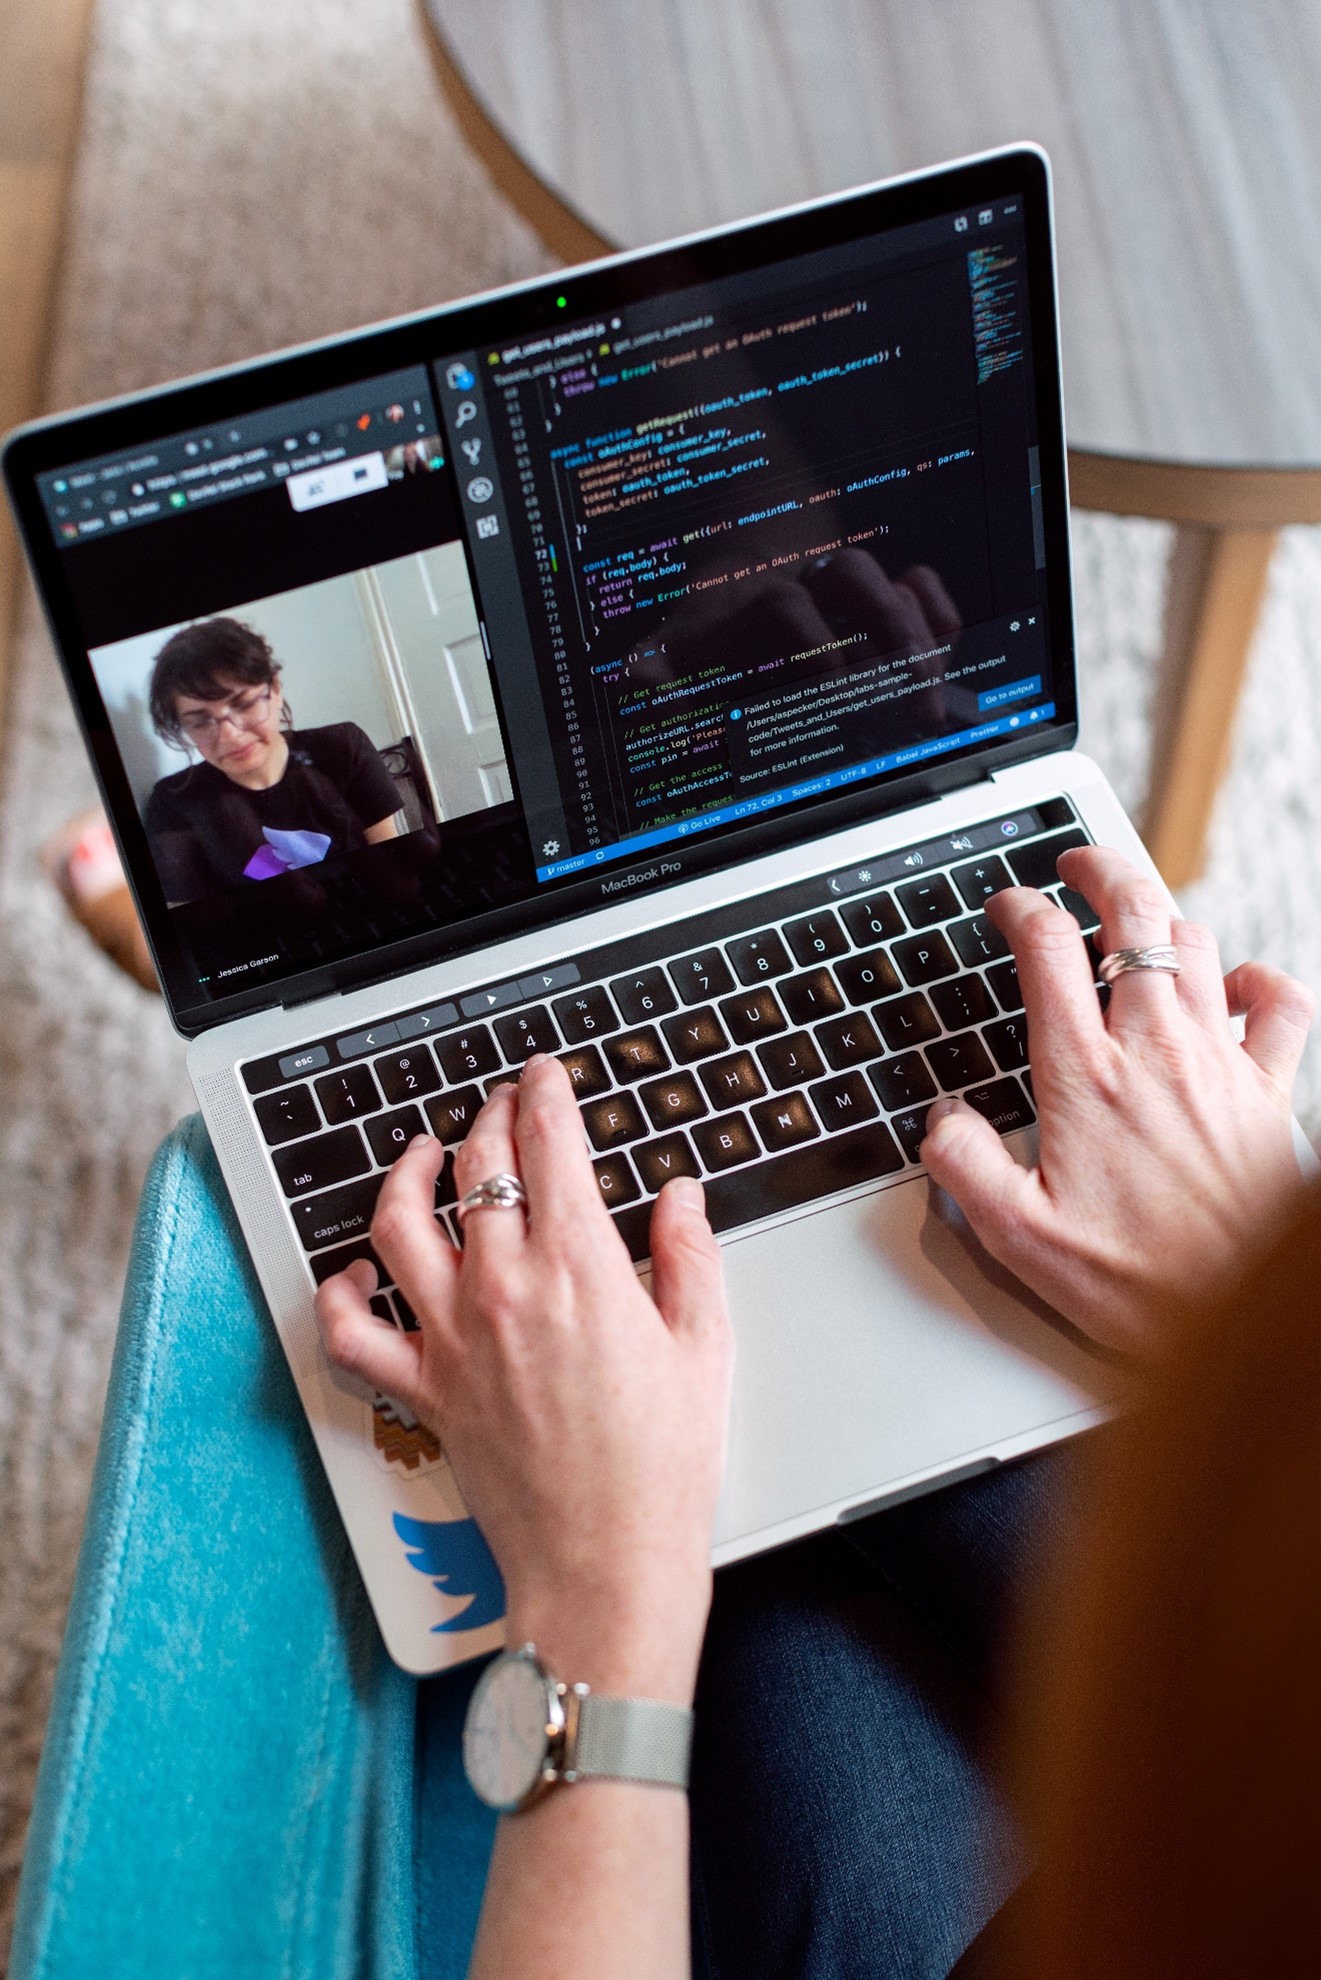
784 1048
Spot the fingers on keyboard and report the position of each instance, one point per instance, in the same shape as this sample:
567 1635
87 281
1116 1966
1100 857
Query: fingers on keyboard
763 1061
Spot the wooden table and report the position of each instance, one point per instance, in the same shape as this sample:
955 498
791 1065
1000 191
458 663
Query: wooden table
1186 144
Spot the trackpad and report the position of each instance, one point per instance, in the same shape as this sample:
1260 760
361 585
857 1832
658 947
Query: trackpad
876 1340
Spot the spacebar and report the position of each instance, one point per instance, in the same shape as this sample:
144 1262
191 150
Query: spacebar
836 1162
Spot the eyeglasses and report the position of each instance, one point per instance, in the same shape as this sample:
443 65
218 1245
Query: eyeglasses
244 711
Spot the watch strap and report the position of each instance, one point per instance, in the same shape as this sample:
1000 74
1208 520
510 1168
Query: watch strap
632 1739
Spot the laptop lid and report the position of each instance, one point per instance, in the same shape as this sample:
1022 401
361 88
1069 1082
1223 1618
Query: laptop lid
394 645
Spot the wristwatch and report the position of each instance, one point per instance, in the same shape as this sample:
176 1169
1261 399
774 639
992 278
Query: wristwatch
525 1731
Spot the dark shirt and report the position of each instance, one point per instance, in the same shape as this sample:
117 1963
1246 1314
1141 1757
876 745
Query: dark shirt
207 832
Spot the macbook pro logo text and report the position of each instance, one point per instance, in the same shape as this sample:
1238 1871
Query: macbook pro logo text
626 881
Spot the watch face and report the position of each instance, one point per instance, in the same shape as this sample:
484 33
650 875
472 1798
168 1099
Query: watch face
505 1741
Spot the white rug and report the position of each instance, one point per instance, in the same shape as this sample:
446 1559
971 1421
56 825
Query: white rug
252 174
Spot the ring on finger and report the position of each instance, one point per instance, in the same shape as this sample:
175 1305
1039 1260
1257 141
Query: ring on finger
1161 958
502 1192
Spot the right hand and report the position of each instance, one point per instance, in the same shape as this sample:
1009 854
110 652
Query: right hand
1165 1145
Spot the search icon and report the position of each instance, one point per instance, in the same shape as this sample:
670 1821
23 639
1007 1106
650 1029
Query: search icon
464 411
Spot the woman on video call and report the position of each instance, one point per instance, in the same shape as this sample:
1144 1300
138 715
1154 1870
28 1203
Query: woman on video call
266 798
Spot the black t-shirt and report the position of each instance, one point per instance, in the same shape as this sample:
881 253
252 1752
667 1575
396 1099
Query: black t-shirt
207 832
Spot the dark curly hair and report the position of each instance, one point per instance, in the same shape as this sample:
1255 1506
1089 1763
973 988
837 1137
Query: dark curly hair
199 660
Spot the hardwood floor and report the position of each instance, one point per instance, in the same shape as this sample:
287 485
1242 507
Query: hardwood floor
42 44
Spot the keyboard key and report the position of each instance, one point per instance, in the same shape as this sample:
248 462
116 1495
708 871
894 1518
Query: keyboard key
344 1096
407 1075
844 1102
659 1161
807 998
724 1143
310 1059
284 1116
636 1054
928 901
586 1070
732 1082
445 1188
849 1041
673 1101
981 878
525 1033
790 1061
452 1114
963 1002
1004 1104
702 976
390 1134
587 1014
1008 1042
496 998
1082 910
327 1263
468 1054
756 957
1034 862
644 995
555 978
906 1021
616 1180
1003 979
978 941
831 1163
381 1307
785 1122
865 978
421 1022
925 958
911 1128
695 1035
816 937
876 919
507 1076
316 1164
613 1121
903 1082
407 1318
752 1014
955 1061
341 1213
358 1042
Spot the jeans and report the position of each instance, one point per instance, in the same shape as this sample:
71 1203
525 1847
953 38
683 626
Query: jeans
845 1819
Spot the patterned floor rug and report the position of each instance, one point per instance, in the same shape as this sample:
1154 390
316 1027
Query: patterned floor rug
251 175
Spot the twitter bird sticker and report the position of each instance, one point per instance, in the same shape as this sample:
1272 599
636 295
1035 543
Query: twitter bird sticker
458 1561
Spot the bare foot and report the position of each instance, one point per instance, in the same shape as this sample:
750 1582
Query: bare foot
81 861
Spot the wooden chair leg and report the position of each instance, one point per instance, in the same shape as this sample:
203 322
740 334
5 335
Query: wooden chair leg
1216 585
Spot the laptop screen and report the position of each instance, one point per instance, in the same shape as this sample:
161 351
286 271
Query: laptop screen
607 582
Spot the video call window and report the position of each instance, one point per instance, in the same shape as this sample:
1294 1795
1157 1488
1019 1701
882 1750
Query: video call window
292 730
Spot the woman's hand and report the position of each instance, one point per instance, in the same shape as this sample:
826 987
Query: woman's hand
584 1419
1164 1143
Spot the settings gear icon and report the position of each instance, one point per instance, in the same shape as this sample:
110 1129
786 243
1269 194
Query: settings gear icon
550 848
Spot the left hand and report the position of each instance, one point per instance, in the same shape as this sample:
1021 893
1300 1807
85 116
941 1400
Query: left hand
584 1418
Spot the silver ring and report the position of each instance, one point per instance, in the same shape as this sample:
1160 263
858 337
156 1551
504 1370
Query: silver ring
502 1192
1162 957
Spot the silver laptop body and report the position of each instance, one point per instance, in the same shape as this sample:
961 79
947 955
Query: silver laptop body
801 796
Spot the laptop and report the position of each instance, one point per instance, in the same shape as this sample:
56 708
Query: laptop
659 665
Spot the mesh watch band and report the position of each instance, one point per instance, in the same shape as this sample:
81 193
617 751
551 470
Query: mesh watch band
632 1739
